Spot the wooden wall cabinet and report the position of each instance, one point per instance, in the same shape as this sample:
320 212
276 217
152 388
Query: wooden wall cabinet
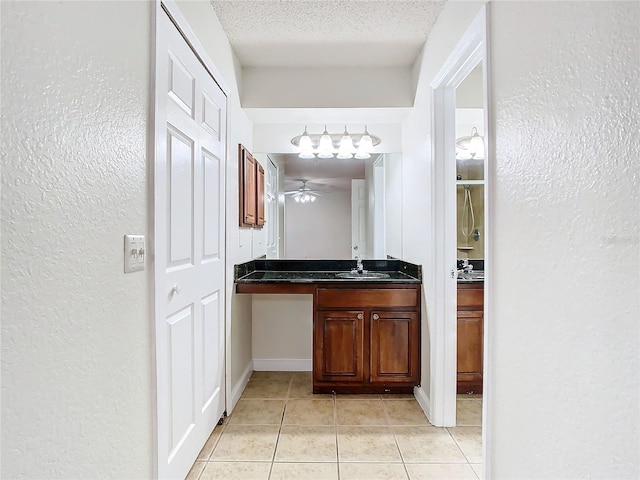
251 189
366 340
470 337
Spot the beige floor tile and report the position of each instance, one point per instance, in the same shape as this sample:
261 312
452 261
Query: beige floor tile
299 390
205 453
246 443
427 445
277 376
468 412
398 396
236 471
470 441
366 444
441 471
278 387
257 411
405 412
372 471
357 396
477 396
306 444
309 412
304 471
195 471
302 377
477 468
360 412
301 385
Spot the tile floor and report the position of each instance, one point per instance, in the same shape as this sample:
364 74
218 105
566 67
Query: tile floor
281 431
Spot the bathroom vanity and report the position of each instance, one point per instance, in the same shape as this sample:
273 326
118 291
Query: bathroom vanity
366 328
470 335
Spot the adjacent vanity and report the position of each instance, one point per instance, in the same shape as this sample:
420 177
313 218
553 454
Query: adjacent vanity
470 330
366 327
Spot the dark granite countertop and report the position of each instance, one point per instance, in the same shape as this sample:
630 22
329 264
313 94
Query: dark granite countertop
321 271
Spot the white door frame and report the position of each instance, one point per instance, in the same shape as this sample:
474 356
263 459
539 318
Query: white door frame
155 132
470 50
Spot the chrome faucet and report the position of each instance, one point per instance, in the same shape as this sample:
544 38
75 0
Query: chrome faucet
359 266
466 267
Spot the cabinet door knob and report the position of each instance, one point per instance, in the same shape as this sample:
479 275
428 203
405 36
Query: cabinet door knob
376 316
360 316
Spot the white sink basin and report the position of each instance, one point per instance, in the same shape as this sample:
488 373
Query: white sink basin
363 275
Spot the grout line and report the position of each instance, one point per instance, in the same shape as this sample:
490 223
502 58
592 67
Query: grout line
459 447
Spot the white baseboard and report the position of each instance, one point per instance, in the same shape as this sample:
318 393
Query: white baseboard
423 401
237 390
282 364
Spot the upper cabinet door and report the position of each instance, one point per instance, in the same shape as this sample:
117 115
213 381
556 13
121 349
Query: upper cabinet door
259 195
247 186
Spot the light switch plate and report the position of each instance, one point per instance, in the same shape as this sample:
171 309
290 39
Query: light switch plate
134 253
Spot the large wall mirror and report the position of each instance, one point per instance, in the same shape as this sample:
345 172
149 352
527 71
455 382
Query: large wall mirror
333 208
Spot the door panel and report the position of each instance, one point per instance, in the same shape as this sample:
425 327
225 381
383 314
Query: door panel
181 84
180 335
339 346
211 213
180 161
189 252
271 199
212 380
358 218
394 345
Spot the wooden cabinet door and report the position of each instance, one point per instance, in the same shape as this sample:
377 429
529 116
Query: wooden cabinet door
247 187
395 347
338 346
470 347
259 195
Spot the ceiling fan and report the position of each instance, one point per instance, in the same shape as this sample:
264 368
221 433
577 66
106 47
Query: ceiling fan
304 194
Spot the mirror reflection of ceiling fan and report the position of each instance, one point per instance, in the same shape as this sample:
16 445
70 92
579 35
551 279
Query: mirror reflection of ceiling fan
303 194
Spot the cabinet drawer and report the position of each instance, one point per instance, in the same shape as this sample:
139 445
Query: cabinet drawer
369 297
470 298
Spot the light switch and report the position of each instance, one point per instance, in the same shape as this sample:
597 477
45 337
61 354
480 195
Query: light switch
134 253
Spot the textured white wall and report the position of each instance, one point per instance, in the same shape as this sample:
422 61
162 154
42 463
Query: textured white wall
76 344
321 229
566 235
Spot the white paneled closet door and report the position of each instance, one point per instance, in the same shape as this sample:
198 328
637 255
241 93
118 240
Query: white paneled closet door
189 252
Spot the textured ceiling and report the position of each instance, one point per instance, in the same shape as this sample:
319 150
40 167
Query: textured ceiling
321 33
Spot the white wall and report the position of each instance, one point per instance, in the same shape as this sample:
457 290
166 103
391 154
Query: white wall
322 88
240 241
76 342
566 232
320 229
282 332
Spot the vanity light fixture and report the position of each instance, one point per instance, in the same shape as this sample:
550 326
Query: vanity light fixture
342 145
472 145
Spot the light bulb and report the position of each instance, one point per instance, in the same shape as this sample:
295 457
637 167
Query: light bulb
346 146
325 149
365 146
476 144
305 146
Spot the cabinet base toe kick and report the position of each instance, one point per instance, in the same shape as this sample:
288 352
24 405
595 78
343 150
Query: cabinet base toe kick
372 389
